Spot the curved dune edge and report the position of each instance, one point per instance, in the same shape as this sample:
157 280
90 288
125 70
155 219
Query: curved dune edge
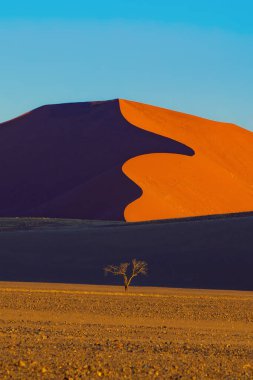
218 179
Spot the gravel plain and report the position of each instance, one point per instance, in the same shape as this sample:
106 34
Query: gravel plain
61 331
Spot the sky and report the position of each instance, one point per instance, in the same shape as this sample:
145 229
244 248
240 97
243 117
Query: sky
193 56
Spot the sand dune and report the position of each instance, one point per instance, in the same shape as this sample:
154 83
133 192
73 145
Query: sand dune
122 160
66 161
206 252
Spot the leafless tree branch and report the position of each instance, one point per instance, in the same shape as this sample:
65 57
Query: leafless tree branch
117 269
138 267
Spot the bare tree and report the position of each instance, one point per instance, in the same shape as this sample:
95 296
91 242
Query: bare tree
137 267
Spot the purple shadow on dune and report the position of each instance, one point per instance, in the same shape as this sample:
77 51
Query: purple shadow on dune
65 161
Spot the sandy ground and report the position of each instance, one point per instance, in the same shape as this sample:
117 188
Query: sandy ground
60 331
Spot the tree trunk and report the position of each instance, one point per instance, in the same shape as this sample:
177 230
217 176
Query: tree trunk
125 282
129 281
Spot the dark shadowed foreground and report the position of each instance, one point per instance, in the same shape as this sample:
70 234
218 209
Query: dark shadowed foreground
54 331
206 252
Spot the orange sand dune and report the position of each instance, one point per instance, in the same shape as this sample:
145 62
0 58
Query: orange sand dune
217 179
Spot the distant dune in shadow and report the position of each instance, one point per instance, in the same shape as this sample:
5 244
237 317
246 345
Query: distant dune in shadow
205 252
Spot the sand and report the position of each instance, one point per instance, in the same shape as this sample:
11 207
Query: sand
217 179
122 160
59 331
66 161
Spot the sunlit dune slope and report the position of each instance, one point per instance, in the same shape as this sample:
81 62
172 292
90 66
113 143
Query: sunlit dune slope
217 179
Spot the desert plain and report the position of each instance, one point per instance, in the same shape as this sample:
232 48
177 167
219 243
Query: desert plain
63 331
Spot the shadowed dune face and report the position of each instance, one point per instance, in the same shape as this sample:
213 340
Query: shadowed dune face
217 179
213 252
66 161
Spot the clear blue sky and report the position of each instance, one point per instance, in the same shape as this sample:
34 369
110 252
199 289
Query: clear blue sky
195 56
